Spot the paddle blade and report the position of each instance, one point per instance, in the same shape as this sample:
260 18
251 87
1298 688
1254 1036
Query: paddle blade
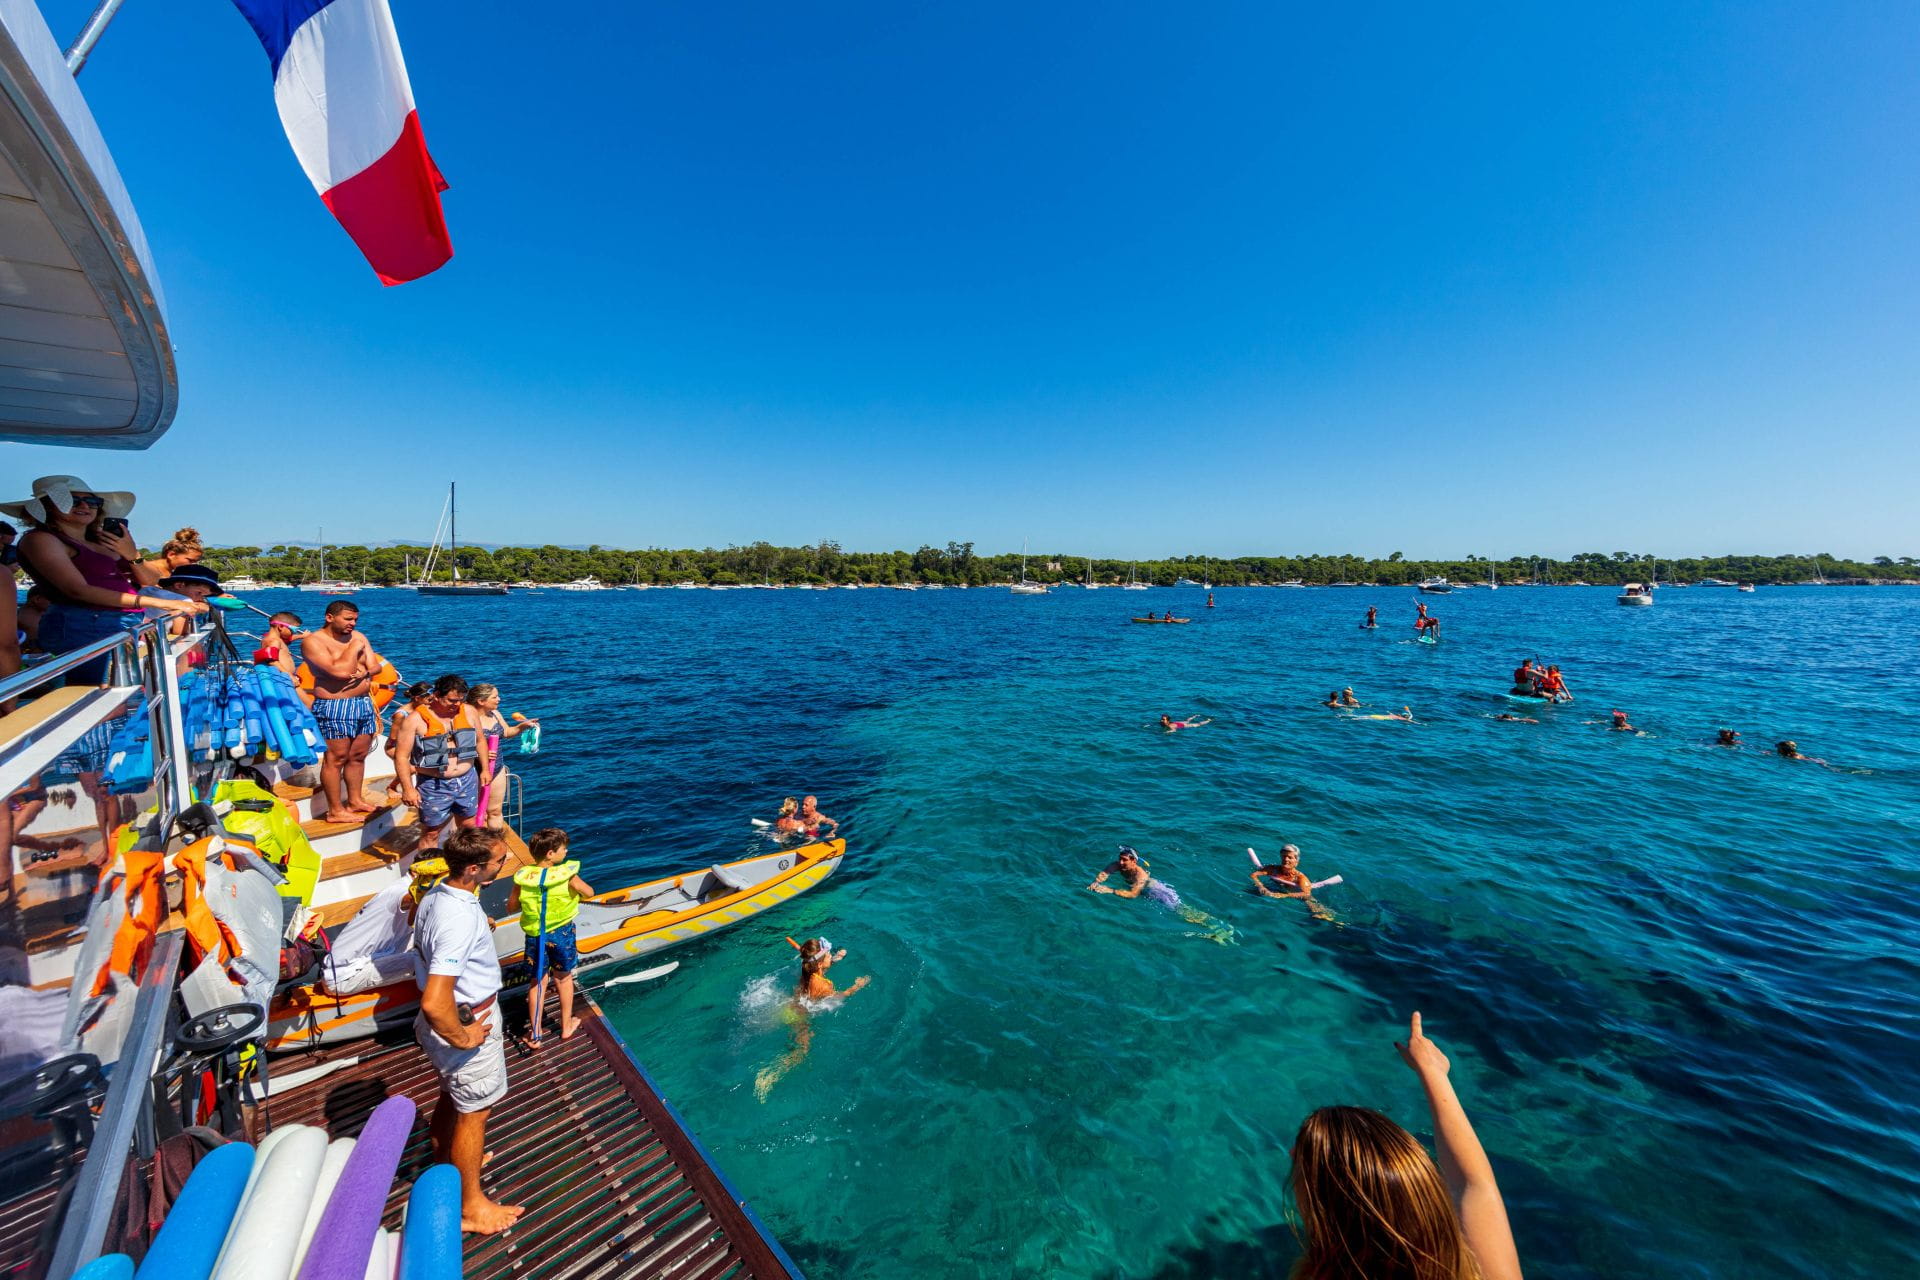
645 975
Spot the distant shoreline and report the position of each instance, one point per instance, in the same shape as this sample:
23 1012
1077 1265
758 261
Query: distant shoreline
957 565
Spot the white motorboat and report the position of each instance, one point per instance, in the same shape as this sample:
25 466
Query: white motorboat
1635 593
1436 586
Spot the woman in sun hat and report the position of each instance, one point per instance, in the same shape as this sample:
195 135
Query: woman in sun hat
79 550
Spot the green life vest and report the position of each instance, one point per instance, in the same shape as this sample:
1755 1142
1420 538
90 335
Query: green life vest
556 885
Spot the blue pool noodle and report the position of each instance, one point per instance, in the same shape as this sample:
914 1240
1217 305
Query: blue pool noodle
190 1239
430 1243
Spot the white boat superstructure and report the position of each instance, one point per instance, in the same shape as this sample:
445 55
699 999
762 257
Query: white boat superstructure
1436 586
588 583
1635 593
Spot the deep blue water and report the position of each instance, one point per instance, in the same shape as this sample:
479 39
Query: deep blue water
1678 983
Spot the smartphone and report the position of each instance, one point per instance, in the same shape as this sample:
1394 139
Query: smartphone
113 525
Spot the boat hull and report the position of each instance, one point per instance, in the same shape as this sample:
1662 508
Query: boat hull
626 923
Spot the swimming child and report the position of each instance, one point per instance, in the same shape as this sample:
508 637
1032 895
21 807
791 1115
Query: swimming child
1348 700
812 991
555 882
1333 700
1790 750
1191 722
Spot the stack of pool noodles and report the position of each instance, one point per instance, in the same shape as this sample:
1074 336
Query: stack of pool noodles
303 1208
229 712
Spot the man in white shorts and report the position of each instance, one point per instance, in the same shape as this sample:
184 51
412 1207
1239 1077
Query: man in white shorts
459 1024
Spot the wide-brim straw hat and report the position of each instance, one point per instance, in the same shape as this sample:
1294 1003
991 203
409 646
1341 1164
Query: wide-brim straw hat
55 493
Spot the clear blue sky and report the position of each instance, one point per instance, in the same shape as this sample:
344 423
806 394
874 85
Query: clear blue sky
1121 278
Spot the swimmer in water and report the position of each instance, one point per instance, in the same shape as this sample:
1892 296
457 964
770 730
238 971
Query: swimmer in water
1191 722
1406 714
1333 700
1139 884
1620 723
813 991
1728 738
1348 700
1287 874
1511 718
1790 750
788 824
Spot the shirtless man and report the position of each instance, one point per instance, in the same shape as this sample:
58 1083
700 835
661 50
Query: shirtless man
343 664
439 757
1139 883
811 819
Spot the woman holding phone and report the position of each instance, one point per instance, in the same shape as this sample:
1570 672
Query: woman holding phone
79 550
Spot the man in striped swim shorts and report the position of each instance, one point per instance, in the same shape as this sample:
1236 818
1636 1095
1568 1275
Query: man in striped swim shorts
343 664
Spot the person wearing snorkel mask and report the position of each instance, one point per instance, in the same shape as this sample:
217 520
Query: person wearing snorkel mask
813 990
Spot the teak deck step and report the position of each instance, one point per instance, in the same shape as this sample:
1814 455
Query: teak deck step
613 1187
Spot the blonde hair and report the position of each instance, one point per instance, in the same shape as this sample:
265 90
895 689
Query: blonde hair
1370 1203
789 807
182 541
480 692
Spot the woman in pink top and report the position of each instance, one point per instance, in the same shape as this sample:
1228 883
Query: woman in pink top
79 550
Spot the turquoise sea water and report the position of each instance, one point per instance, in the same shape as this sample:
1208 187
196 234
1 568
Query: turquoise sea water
1678 983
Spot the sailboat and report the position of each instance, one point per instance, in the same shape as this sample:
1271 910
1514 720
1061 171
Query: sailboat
1493 583
1090 584
323 584
1133 579
453 586
1025 587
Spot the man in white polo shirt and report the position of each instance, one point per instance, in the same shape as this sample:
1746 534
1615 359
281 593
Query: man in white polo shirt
459 1020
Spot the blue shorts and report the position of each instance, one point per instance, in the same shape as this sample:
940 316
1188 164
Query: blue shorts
340 718
441 798
563 952
1162 894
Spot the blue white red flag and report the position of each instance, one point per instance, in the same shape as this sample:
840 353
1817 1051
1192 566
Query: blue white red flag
344 99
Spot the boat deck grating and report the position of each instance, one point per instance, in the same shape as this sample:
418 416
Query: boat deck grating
613 1187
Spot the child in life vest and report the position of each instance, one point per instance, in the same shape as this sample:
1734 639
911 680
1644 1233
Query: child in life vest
550 893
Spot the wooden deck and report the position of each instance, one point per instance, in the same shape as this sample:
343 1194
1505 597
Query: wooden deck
613 1185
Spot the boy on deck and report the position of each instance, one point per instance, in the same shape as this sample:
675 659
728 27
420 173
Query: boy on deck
554 880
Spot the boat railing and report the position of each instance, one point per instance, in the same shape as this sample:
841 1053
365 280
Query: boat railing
514 806
51 719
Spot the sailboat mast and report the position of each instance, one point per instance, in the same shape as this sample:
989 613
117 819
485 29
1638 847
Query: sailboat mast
453 529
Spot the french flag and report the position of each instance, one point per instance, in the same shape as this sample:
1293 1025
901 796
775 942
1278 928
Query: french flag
344 99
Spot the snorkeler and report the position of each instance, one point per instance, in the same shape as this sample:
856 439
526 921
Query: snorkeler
1130 868
812 992
1620 723
1191 722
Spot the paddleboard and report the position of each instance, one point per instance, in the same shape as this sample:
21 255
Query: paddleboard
645 975
1526 697
344 1238
1425 640
430 1243
260 1246
189 1240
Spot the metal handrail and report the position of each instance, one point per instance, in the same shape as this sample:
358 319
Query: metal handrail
84 1232
41 673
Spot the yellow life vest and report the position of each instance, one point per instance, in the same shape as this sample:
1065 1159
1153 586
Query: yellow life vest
556 885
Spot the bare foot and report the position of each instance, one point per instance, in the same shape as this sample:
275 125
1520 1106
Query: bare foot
484 1218
568 1028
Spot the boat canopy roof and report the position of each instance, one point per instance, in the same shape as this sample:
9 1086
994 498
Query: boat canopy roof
85 358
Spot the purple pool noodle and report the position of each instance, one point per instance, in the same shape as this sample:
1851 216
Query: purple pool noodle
344 1238
430 1245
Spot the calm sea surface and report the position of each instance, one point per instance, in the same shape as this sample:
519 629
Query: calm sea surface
1679 984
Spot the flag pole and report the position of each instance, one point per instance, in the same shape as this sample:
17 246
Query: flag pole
90 34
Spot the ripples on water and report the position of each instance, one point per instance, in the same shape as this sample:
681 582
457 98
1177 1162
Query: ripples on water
1678 983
